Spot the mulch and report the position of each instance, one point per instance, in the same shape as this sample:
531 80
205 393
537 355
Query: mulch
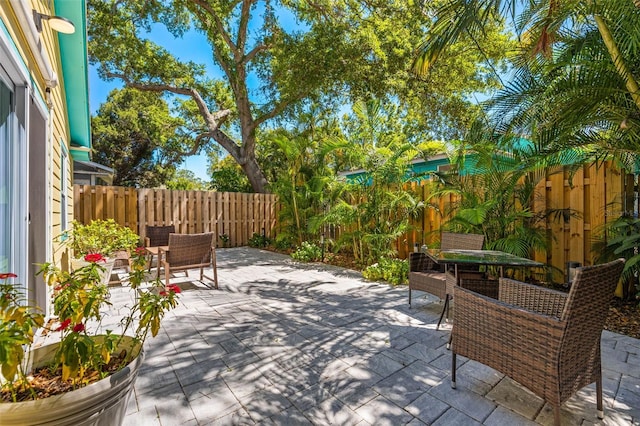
624 318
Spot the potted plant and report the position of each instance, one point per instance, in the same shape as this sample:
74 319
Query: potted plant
105 237
86 377
100 236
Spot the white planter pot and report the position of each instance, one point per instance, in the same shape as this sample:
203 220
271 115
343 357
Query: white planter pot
103 403
107 265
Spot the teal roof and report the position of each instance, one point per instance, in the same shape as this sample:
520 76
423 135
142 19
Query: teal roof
419 169
73 55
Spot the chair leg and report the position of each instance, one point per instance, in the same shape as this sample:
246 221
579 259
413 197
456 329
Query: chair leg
167 273
445 308
556 415
215 268
453 370
599 396
409 297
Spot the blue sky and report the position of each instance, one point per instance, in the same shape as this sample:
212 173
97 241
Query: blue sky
191 47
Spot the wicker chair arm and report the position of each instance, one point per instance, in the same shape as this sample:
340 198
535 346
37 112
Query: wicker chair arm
532 297
504 336
420 262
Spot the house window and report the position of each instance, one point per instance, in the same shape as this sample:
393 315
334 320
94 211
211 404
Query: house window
6 175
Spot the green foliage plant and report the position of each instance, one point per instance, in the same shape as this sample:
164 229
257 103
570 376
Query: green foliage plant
494 195
335 52
391 270
100 236
374 209
259 240
79 298
621 238
18 323
308 252
576 71
135 133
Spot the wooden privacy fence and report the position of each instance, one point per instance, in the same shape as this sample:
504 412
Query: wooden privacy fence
236 215
597 194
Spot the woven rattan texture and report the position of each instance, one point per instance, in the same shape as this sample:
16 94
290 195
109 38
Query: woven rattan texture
189 249
425 275
546 340
158 235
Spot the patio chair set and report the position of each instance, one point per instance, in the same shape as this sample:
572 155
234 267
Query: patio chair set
181 252
546 340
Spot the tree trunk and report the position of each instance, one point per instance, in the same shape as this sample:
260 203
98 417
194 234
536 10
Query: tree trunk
245 159
618 60
255 175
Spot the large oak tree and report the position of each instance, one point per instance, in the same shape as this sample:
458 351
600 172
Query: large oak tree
335 52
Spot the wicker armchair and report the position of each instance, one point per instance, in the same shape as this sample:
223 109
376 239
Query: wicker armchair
189 251
425 275
544 339
156 236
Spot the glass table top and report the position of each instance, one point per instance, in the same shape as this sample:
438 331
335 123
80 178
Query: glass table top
479 257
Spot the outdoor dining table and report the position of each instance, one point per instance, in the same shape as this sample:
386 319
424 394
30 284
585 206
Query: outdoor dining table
156 251
459 257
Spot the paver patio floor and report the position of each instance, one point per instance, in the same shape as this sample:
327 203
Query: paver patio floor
286 343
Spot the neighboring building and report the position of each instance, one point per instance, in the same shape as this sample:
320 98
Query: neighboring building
44 126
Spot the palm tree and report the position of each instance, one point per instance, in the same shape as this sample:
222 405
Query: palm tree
495 199
576 72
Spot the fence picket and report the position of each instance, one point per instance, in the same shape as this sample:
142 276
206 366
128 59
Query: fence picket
599 194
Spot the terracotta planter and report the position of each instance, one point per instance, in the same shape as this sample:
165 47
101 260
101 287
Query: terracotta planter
101 403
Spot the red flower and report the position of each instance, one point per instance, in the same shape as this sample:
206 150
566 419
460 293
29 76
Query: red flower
64 324
78 327
174 288
162 293
141 251
94 257
6 275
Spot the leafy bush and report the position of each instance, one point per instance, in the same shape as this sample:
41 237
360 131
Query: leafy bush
101 236
391 270
307 252
283 242
258 240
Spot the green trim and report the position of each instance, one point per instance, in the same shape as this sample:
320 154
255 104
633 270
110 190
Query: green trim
74 60
13 47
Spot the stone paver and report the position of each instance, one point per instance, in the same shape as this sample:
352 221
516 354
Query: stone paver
282 343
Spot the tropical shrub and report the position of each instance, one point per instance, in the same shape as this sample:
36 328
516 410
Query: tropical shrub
621 238
308 252
391 270
259 240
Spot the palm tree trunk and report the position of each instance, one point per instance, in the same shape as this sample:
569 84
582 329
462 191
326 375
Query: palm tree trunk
618 61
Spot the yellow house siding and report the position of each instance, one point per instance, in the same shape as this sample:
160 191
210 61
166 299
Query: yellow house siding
50 99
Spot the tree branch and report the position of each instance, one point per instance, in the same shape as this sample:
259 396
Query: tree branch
218 23
212 119
252 54
244 21
277 109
